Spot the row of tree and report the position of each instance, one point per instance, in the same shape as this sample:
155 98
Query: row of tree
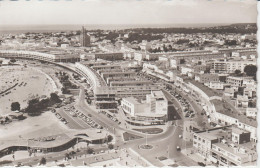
36 106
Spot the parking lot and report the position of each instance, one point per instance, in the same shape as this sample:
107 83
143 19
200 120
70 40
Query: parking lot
75 119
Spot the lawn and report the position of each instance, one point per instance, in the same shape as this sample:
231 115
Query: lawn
150 130
128 136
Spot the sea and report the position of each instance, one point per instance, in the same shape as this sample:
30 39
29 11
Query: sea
18 29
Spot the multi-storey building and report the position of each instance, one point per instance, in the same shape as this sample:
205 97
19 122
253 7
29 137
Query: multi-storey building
131 83
225 146
225 114
206 78
33 55
128 91
229 66
236 81
126 74
84 38
110 56
153 110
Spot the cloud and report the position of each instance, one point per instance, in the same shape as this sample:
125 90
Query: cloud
127 11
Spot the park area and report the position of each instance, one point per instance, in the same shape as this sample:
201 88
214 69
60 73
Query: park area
20 83
23 84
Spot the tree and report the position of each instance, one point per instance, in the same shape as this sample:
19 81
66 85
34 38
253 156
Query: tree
182 61
237 72
230 42
90 151
15 106
43 161
12 60
110 146
250 70
109 138
170 47
55 98
33 107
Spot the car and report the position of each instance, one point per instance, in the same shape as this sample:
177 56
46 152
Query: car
19 164
180 136
201 164
187 115
65 122
102 151
178 148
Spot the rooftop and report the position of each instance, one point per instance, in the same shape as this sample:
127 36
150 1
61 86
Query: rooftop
209 92
213 134
132 100
56 140
240 150
126 72
132 82
104 90
226 109
104 66
238 130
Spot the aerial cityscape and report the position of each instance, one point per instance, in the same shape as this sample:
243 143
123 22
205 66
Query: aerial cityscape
73 94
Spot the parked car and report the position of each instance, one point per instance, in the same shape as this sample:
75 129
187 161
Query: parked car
192 115
187 115
201 164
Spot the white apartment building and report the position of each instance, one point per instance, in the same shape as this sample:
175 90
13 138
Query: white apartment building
185 70
156 104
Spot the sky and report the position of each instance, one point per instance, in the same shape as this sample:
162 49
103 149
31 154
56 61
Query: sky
47 12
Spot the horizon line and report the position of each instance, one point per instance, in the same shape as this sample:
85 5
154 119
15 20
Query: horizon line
126 24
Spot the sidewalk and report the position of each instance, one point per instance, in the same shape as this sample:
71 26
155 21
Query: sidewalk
18 155
195 156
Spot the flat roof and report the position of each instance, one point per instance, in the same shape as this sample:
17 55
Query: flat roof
249 147
55 140
208 91
126 72
238 130
131 82
158 94
212 134
226 109
132 100
101 66
104 90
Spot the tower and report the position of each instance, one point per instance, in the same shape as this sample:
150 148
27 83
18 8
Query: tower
84 38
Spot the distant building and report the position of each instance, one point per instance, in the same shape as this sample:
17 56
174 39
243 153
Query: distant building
231 66
84 38
206 78
110 56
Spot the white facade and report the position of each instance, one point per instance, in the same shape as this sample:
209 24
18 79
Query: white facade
216 85
156 105
159 103
185 70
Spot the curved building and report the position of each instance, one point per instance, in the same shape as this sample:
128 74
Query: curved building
33 55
